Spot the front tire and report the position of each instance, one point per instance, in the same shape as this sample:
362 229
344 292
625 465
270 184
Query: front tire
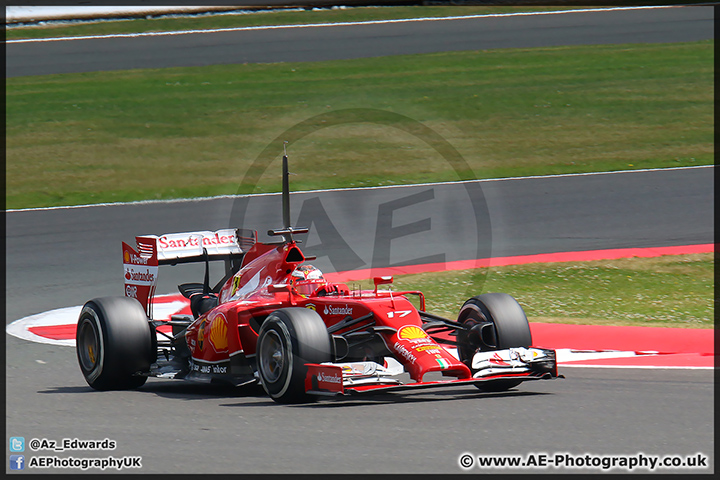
288 339
114 342
510 328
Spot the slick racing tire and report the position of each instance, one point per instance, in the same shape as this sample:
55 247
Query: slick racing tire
114 343
510 329
288 339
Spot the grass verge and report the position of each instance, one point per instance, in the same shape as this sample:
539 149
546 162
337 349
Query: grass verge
669 291
187 132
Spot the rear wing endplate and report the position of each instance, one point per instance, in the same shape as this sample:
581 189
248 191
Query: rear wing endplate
141 265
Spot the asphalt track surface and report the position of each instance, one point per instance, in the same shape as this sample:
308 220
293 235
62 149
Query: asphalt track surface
59 258
295 44
74 254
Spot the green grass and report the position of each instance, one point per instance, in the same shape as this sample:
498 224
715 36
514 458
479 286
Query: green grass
186 132
670 291
259 18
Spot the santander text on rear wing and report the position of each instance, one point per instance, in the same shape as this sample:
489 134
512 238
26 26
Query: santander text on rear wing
141 265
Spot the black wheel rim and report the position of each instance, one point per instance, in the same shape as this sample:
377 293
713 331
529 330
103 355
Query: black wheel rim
88 345
272 357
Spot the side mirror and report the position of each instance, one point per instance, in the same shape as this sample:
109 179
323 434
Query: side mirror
385 280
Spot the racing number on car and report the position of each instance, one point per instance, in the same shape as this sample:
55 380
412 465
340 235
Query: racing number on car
399 314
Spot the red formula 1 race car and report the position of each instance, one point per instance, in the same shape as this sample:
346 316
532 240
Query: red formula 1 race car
275 320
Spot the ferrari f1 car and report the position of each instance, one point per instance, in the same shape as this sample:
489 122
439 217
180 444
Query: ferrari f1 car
275 320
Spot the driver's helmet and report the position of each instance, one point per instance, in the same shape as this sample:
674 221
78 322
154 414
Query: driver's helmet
306 279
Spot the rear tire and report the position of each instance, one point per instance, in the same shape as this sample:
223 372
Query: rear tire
288 339
114 342
510 326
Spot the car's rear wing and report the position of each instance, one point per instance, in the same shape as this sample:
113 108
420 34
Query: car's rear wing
141 265
174 248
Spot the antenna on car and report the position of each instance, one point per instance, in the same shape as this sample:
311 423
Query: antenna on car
285 188
287 230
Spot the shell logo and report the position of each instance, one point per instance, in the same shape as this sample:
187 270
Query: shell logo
218 333
411 332
126 256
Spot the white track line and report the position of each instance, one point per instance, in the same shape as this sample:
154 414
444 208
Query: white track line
340 24
484 180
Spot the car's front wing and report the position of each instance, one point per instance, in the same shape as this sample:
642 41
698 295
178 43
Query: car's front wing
363 377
